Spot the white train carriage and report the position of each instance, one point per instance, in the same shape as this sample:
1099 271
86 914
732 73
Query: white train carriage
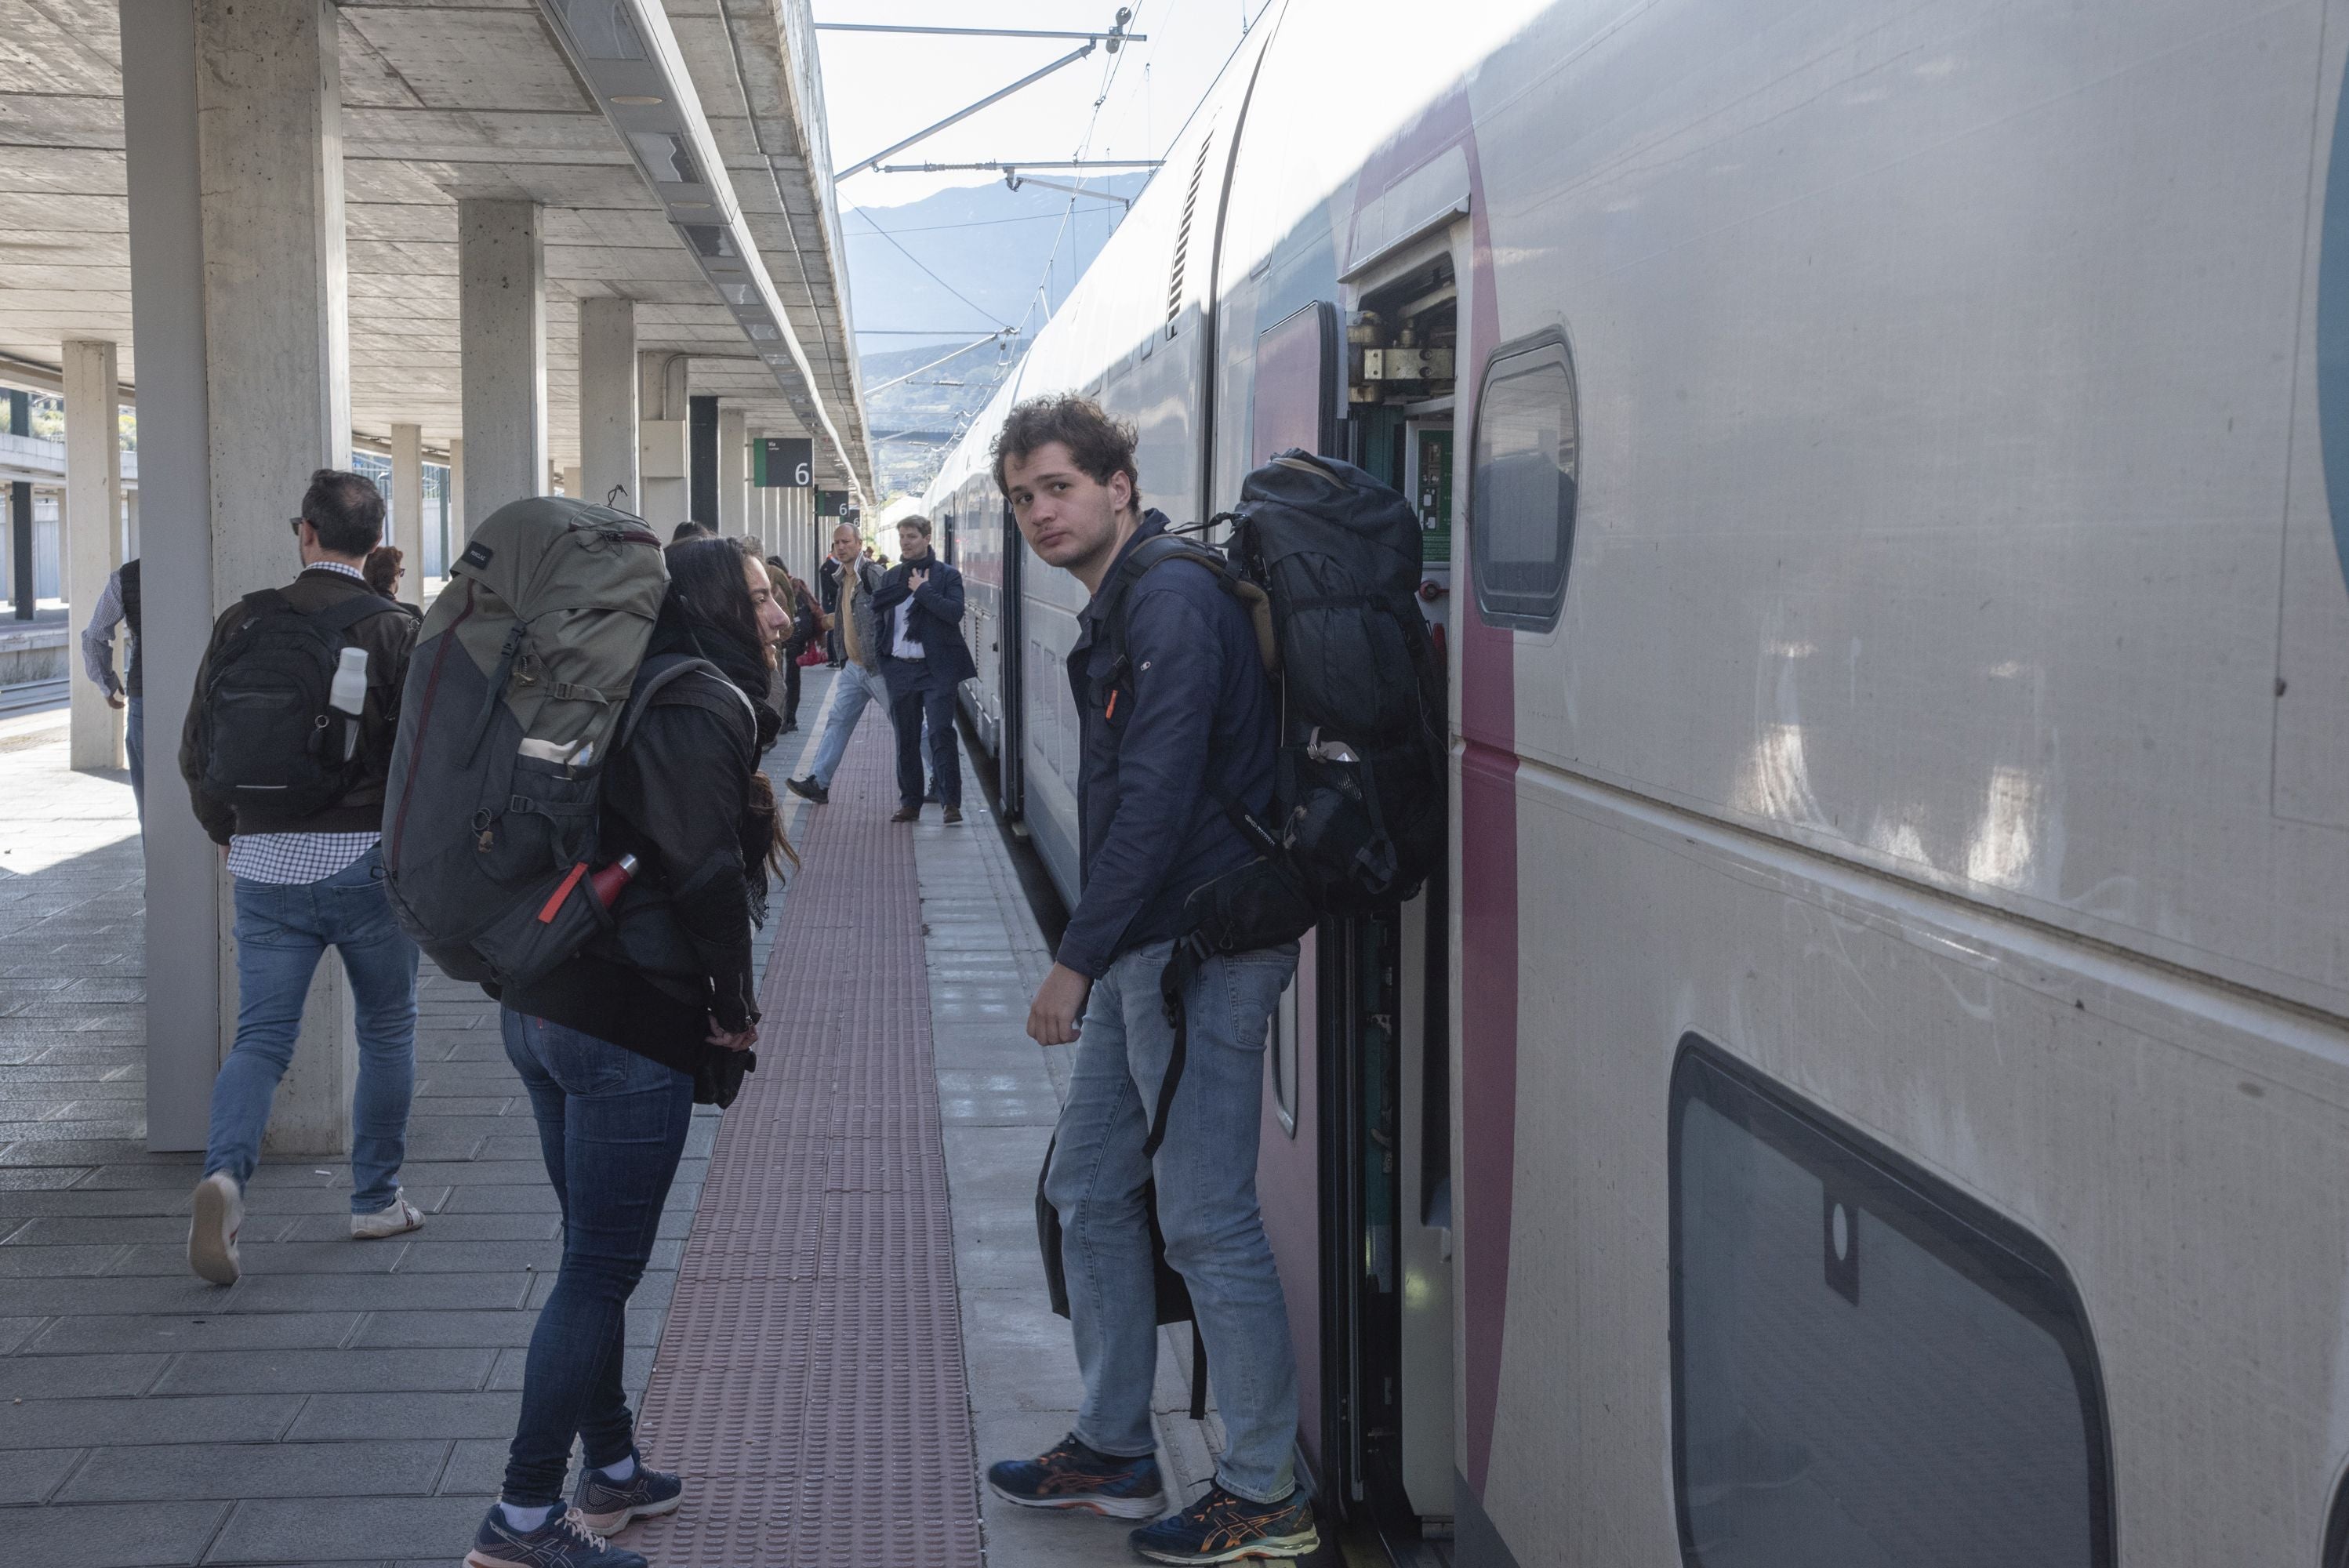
1874 1086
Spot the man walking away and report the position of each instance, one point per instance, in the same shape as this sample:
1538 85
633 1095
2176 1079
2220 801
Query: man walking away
286 751
119 606
1185 724
828 585
857 627
924 661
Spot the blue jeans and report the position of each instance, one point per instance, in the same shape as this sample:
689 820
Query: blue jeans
1207 1208
282 931
134 743
611 1124
852 688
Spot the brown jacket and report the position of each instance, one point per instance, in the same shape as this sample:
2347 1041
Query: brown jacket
389 639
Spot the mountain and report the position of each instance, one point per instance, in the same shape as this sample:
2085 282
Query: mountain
930 275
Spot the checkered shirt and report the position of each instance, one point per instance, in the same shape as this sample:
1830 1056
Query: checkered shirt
284 859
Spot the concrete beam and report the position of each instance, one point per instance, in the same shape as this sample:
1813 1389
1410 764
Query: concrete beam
502 328
93 527
408 500
733 472
607 401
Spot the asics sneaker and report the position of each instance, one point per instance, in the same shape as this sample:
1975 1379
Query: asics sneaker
563 1541
212 1229
1222 1528
395 1218
608 1506
1073 1476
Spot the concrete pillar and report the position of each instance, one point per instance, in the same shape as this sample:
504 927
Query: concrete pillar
407 502
93 529
733 472
608 400
233 123
502 331
661 464
456 494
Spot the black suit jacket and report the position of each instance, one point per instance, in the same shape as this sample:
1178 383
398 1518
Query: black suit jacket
933 619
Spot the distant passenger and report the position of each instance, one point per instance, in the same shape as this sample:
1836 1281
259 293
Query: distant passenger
691 530
294 798
386 565
924 662
1186 726
611 1044
117 605
857 627
803 625
828 587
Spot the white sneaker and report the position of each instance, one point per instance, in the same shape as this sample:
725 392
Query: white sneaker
212 1234
399 1217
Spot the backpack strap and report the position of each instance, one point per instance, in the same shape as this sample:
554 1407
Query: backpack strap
660 671
340 616
1138 564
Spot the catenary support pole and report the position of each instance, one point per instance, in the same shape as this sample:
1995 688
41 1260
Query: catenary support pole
502 328
93 528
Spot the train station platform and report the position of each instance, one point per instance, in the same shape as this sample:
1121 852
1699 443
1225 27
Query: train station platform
843 1320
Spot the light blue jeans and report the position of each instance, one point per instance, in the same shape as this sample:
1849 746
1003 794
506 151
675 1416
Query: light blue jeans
852 688
134 746
282 931
1207 1208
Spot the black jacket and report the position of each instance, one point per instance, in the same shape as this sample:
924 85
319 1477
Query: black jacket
679 952
389 639
1192 725
934 612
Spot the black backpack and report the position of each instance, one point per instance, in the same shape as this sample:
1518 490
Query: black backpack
1327 559
268 736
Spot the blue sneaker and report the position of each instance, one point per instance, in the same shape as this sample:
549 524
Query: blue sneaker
608 1506
1073 1476
563 1541
1221 1528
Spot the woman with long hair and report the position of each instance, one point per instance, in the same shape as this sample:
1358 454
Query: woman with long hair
617 1045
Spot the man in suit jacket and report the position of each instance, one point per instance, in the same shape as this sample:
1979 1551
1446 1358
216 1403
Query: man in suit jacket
923 660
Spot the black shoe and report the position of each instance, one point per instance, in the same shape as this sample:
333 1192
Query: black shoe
954 815
907 814
807 788
930 797
789 725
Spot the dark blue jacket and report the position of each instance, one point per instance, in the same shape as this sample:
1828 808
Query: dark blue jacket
935 608
1192 725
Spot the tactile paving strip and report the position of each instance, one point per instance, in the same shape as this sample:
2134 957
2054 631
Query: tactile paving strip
809 1383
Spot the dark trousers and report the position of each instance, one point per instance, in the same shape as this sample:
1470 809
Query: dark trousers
790 691
910 708
612 1126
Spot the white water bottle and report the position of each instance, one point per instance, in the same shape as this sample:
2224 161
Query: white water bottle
348 694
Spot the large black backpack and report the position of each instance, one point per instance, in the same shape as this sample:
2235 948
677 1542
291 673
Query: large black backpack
268 736
1327 559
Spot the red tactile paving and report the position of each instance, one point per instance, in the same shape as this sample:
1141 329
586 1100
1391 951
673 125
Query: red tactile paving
809 1383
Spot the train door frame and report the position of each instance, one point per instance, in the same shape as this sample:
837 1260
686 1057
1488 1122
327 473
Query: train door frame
1405 1471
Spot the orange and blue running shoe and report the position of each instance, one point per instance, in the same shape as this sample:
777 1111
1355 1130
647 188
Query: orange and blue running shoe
1074 1476
1222 1528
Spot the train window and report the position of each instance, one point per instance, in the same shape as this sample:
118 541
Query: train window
1868 1367
1523 486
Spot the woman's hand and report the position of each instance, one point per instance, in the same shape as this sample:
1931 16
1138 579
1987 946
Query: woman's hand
724 1041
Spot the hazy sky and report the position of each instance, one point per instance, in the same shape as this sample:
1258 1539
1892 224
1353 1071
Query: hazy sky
878 87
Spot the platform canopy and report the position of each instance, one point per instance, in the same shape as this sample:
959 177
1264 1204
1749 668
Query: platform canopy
473 99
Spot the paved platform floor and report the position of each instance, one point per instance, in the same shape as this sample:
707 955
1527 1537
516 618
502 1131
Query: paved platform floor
351 1402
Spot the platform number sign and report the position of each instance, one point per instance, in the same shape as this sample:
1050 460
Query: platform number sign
782 462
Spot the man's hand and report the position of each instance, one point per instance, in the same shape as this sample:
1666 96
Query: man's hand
724 1041
113 699
1060 1003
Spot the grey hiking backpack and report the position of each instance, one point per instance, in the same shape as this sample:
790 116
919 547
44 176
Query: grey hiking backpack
524 680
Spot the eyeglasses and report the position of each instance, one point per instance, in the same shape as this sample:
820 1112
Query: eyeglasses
298 527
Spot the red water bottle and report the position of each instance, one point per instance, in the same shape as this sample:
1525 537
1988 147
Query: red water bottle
609 880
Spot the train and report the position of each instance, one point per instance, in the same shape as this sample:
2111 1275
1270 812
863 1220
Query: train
1870 1085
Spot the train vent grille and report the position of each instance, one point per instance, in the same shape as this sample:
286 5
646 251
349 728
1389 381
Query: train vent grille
1182 234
